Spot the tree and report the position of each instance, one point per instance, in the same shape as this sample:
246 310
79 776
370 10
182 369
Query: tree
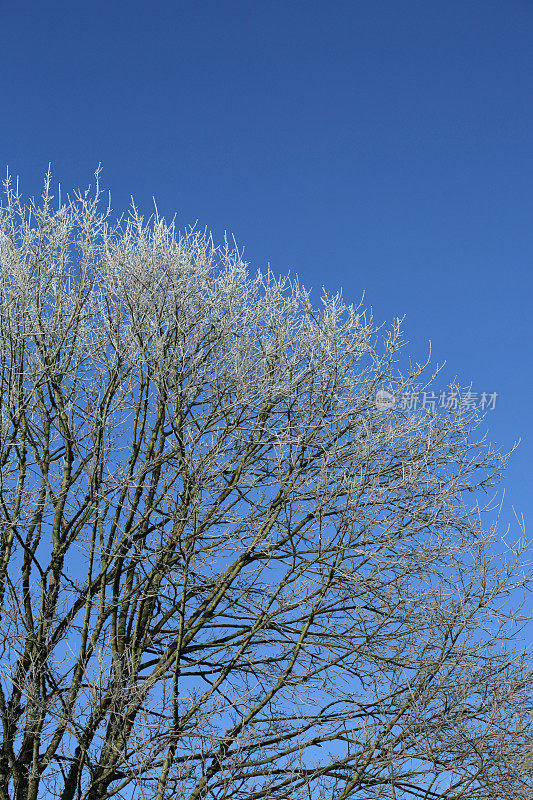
226 571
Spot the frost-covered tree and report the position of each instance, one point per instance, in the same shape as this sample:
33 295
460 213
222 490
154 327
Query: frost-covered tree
226 571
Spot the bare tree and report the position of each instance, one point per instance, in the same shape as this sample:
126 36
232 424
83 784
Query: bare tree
226 571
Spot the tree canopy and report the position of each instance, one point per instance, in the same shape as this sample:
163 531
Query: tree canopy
226 570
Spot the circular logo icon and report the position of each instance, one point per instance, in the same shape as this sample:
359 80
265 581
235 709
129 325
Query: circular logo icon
384 400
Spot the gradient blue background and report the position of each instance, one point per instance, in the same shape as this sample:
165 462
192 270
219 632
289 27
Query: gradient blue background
381 145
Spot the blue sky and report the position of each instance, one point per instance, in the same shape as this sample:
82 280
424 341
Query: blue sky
377 146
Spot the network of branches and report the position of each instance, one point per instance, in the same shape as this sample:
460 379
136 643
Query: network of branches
227 573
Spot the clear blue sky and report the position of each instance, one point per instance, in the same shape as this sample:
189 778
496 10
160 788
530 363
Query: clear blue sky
372 145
